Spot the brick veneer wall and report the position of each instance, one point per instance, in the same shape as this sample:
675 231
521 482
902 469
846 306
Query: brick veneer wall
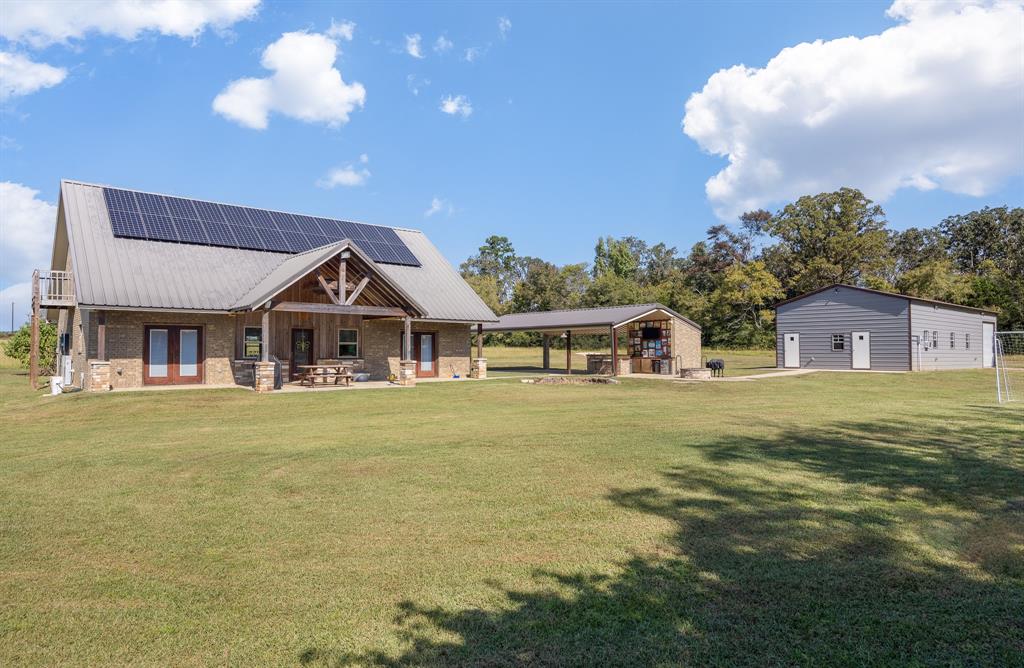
686 343
126 331
382 342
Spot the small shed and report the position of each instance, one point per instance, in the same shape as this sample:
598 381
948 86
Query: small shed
850 328
658 340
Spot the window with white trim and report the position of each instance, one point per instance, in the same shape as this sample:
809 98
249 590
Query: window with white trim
252 343
927 340
952 340
967 340
348 343
838 342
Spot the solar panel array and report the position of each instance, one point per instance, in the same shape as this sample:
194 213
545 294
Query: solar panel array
138 215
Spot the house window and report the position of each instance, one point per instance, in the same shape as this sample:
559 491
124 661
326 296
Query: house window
348 343
838 342
952 340
967 341
935 339
252 343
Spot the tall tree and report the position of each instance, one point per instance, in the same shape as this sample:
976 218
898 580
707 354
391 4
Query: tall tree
836 237
496 258
740 310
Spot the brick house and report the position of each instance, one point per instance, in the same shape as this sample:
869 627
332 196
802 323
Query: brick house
150 289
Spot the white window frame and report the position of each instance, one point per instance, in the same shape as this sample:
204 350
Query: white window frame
355 343
927 340
841 340
245 331
967 341
952 340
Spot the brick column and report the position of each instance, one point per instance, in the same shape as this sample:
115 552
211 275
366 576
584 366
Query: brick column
264 376
99 376
479 368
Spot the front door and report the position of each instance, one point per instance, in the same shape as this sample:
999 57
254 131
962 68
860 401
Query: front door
172 355
302 349
791 351
861 350
988 335
424 351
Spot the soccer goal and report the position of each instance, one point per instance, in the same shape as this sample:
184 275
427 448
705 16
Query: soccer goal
1008 348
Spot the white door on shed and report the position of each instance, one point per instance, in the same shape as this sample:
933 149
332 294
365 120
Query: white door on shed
861 350
791 351
988 335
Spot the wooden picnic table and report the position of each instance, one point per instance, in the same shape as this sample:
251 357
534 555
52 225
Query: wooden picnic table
331 371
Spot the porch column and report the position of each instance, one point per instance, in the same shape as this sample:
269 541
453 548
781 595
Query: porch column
101 336
407 366
478 369
265 337
615 352
263 371
568 352
547 351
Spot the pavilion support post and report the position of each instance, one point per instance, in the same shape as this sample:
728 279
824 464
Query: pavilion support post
479 367
99 379
263 370
615 352
568 352
407 366
33 355
547 352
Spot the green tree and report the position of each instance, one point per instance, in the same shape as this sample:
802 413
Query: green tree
741 310
836 237
19 346
486 287
937 279
496 258
620 257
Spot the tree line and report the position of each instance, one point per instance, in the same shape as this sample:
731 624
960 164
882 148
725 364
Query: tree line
729 281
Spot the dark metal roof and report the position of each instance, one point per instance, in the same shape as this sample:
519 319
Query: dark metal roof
887 294
579 318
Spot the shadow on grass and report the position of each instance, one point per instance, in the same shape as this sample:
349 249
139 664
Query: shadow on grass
862 543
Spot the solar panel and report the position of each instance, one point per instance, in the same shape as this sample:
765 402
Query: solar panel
140 215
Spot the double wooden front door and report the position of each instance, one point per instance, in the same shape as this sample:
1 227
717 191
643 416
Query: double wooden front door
302 349
172 354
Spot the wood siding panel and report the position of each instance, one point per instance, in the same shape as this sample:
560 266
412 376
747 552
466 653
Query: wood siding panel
934 318
842 311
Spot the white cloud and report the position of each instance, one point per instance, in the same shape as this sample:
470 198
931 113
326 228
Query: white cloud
57 21
443 44
458 105
26 232
21 76
350 175
504 26
438 205
304 85
413 45
344 30
934 102
472 53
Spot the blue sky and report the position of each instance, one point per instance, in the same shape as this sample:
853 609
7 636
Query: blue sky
575 129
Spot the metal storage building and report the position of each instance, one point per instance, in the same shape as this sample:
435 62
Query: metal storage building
846 327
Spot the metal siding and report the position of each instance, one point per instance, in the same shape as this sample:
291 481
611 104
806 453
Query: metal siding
944 320
111 271
842 311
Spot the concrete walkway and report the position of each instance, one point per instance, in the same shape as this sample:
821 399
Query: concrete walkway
757 376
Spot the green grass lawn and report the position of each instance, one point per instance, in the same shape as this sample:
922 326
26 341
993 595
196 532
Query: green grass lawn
827 519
